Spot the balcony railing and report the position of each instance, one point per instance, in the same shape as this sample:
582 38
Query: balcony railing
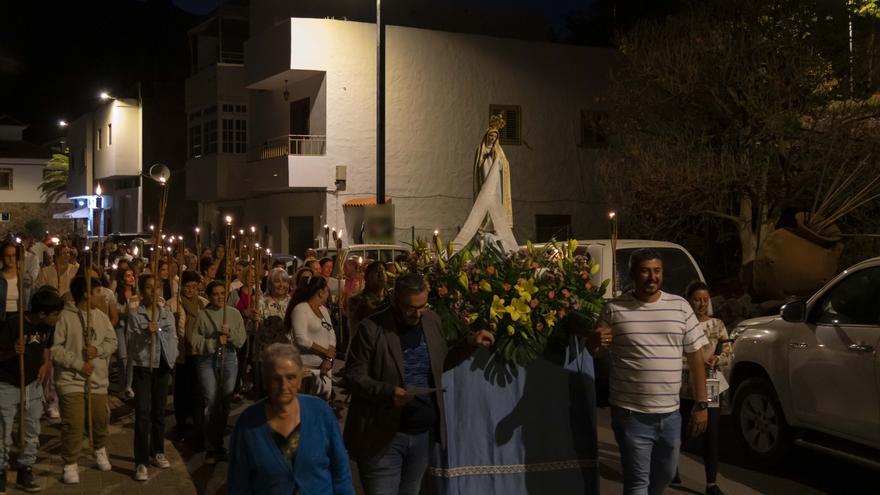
293 144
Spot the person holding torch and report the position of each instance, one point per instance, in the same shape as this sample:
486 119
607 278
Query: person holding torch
219 334
152 375
24 346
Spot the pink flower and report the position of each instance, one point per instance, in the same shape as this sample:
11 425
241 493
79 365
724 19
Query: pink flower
442 291
551 294
534 304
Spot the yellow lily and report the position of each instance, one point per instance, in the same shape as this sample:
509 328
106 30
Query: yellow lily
550 318
463 279
485 287
497 310
594 269
519 308
510 330
526 288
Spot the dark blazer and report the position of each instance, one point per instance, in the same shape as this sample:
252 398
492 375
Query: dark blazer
375 367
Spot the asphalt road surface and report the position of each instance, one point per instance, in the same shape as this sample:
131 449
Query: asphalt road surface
804 473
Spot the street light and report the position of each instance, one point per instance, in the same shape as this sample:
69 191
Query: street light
105 95
380 105
62 123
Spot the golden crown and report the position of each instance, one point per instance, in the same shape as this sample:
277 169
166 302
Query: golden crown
496 122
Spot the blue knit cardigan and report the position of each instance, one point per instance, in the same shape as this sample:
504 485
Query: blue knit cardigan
256 465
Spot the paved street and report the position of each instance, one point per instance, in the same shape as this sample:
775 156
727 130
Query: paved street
806 473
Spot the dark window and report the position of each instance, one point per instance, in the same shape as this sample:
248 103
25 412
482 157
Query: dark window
210 131
549 227
6 179
195 141
240 136
99 138
512 132
109 134
853 301
300 111
592 133
228 136
678 270
5 216
234 135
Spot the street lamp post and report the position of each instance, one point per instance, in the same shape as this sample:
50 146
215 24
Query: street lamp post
380 105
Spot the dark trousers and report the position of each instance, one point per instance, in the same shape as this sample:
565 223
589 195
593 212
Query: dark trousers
709 438
242 356
151 394
186 398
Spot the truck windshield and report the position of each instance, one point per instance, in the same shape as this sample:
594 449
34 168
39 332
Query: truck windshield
678 270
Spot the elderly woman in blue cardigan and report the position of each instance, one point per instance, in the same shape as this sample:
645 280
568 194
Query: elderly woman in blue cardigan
287 443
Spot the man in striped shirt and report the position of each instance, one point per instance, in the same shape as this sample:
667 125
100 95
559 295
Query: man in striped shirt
648 331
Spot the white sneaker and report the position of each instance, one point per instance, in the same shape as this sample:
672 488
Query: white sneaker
140 473
52 412
101 459
71 474
160 461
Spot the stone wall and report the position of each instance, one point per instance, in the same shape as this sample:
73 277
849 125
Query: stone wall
21 213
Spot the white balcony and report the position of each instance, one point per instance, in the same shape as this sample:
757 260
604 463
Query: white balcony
292 144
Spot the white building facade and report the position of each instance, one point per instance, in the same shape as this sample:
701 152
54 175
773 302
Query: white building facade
311 130
22 168
106 149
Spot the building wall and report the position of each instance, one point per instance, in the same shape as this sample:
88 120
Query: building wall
27 174
122 156
21 213
269 213
439 88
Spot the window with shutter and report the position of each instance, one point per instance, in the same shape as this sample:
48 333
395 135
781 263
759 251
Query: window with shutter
512 132
592 133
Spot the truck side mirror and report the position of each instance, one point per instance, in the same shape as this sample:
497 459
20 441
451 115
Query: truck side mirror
795 311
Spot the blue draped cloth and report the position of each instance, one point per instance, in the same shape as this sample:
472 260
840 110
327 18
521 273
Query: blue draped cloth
519 430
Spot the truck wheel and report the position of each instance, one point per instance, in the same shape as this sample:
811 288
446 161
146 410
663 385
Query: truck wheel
760 421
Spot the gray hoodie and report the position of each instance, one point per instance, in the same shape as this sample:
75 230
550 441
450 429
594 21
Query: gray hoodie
68 346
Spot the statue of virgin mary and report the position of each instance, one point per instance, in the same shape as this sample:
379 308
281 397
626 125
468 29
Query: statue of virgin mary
488 154
491 218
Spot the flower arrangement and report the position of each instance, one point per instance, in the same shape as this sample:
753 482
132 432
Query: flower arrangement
528 299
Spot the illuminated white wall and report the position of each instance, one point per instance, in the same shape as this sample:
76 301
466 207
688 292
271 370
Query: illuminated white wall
439 88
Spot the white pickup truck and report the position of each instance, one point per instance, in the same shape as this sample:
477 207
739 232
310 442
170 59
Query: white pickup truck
679 267
811 376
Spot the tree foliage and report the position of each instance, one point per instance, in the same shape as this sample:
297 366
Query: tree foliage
54 185
730 112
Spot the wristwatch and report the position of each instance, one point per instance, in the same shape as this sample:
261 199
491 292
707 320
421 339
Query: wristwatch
701 405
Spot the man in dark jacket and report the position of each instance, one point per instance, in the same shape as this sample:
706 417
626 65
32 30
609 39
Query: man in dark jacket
394 372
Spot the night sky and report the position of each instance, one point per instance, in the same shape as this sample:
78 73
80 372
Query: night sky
56 56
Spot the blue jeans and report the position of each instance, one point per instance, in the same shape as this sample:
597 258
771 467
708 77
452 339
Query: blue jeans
217 396
649 446
10 396
399 470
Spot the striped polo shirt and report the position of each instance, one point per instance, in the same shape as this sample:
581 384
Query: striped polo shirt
648 342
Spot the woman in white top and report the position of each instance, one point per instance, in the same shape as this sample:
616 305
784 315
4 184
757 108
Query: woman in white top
313 332
10 280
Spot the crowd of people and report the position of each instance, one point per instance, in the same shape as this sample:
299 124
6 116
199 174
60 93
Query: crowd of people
104 318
